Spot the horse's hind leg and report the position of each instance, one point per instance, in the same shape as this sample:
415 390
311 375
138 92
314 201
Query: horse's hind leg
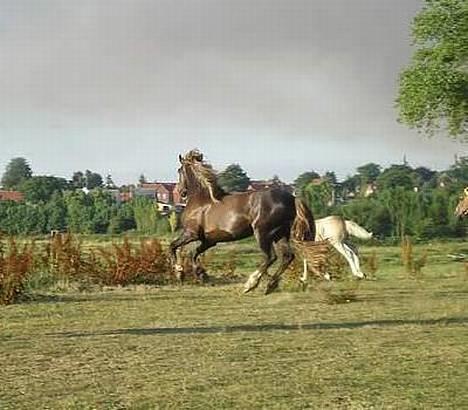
348 254
197 268
359 273
283 249
269 257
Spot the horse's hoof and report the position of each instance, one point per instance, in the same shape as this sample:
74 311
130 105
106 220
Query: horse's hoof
248 289
203 278
304 286
250 285
271 287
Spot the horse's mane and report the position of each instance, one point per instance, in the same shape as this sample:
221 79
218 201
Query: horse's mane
205 176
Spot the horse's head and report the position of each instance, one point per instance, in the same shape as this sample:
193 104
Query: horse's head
182 182
185 171
461 211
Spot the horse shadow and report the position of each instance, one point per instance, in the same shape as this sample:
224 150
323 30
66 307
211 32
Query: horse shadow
269 327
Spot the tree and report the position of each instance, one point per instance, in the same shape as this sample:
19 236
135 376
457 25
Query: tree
110 182
424 177
146 215
17 171
433 91
56 211
102 202
142 179
330 176
396 176
368 172
459 172
93 180
303 180
79 212
122 218
350 185
318 197
40 188
78 180
233 179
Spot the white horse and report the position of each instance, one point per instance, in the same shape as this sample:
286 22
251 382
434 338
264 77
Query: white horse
336 230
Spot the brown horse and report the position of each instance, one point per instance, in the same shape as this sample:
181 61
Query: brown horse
273 216
461 210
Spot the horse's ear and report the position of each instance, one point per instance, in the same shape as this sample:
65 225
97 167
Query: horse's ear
466 191
181 159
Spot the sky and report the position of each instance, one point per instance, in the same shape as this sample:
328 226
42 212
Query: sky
278 86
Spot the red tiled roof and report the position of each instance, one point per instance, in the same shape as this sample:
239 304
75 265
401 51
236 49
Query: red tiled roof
11 196
170 186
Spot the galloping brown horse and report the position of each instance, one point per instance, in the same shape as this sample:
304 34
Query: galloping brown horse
273 216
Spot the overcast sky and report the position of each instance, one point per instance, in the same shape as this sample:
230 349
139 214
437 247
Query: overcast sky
279 86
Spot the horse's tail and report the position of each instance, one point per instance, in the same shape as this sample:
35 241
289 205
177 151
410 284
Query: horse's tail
358 231
303 228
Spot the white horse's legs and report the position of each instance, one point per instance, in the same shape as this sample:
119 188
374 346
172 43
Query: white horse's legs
253 280
355 259
349 255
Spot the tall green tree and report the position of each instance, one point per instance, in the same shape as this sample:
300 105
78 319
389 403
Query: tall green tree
303 180
396 176
146 215
234 179
424 177
16 171
368 173
102 202
40 188
93 180
79 212
78 180
56 211
318 197
433 91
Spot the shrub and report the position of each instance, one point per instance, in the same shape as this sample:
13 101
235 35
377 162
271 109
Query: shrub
15 266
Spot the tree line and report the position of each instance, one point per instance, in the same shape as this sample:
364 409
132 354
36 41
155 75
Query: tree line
54 203
392 202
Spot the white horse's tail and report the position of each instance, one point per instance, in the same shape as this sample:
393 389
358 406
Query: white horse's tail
358 231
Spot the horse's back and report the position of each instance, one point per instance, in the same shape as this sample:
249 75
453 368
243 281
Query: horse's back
238 215
330 228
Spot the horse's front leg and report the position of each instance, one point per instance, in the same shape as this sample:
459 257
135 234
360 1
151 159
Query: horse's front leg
184 239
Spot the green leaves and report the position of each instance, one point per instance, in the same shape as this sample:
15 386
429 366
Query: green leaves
234 179
17 171
433 92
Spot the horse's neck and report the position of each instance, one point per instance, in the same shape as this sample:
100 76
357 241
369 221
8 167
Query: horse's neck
210 194
198 200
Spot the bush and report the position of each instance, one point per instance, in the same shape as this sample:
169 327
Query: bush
15 266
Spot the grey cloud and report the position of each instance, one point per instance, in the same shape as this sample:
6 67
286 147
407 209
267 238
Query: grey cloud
199 71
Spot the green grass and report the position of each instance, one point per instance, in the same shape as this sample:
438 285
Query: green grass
397 341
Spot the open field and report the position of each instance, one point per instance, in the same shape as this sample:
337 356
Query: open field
398 341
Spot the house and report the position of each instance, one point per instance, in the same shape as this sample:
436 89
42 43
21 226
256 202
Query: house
120 196
167 193
164 193
147 190
15 196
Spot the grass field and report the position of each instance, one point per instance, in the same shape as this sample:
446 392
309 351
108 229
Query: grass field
397 341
